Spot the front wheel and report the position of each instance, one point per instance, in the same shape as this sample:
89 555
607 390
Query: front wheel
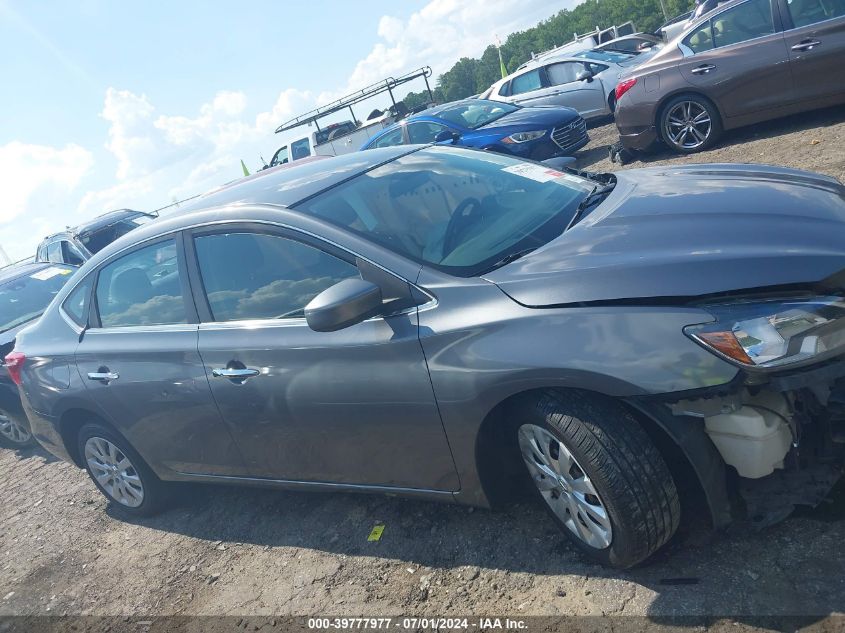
690 124
119 472
600 476
15 433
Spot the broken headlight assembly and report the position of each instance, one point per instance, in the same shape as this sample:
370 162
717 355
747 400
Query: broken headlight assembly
776 333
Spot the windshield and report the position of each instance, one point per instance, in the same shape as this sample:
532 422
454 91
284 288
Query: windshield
457 210
475 114
99 239
605 56
26 298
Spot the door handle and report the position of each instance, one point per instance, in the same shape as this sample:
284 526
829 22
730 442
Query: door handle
103 376
234 373
806 45
703 70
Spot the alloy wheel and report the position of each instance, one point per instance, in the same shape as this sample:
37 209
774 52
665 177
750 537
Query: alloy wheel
565 486
13 431
688 125
114 472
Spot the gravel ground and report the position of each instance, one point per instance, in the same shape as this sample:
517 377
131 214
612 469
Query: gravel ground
225 551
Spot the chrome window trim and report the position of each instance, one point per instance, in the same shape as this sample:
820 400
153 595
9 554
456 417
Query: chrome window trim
132 329
807 26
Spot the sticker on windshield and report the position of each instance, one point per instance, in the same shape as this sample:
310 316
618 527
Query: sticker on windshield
535 172
49 273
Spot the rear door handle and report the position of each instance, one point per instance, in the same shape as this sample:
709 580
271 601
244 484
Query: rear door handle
806 45
234 373
103 376
703 70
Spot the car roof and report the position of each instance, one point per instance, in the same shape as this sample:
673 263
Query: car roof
296 182
24 270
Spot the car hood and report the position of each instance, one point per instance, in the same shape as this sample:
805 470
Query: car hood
532 117
687 232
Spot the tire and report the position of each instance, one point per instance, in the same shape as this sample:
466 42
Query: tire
123 496
612 456
15 433
709 127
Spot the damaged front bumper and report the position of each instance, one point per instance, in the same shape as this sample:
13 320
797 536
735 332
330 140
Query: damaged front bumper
779 439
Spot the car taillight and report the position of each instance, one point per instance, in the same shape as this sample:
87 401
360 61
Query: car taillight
624 86
14 364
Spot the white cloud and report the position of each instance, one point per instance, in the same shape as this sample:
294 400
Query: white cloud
29 172
161 157
442 32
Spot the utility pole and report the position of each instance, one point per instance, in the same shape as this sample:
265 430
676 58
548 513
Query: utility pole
665 13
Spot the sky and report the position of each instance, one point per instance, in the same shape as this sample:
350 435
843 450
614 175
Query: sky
107 105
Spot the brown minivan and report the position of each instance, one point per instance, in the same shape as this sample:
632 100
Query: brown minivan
746 61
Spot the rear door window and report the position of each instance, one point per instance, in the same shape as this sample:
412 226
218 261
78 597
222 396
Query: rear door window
142 288
526 82
250 276
746 21
807 12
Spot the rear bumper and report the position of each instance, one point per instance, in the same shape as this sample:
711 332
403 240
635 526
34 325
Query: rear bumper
639 139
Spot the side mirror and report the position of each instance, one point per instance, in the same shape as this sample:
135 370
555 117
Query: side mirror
446 136
346 303
584 75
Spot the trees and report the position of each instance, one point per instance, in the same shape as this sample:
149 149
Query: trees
472 76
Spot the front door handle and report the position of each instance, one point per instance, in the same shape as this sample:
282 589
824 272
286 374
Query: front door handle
806 45
234 373
703 70
103 376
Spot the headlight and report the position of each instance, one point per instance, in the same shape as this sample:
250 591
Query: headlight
772 334
523 137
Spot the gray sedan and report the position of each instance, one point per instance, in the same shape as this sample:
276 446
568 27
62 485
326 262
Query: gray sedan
464 326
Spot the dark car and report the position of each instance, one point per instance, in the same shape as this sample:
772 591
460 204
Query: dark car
537 133
75 246
446 323
25 291
745 62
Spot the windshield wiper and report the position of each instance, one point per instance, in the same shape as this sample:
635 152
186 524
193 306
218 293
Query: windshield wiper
599 193
511 257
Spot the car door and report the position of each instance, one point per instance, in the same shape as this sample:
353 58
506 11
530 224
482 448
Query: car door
739 59
587 96
140 363
816 44
355 406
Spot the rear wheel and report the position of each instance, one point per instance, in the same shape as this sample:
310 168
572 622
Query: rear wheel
15 433
599 475
690 124
119 472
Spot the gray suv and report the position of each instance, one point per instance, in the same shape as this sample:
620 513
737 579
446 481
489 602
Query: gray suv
453 324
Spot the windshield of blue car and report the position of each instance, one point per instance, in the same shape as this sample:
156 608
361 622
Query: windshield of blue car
605 56
25 298
458 210
474 114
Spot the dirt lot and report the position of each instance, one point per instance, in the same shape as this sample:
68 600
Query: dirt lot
252 552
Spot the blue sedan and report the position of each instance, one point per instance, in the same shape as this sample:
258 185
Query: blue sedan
537 133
